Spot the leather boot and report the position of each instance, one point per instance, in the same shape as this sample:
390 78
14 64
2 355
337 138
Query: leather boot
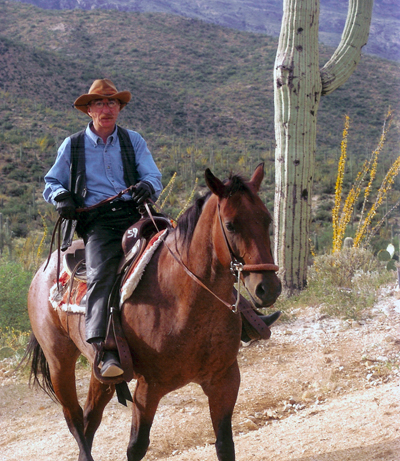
270 319
110 367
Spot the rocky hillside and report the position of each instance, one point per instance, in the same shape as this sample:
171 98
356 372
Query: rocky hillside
202 96
262 16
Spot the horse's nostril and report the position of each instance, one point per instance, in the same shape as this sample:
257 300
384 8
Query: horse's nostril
260 291
268 294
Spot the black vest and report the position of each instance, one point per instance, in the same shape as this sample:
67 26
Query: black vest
77 179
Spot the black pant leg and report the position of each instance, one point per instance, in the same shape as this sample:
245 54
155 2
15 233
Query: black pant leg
103 253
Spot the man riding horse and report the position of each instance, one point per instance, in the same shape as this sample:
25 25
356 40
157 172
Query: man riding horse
91 166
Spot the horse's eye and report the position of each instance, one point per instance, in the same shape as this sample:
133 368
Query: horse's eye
230 227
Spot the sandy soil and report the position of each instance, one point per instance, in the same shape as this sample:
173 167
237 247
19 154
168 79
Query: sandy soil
320 389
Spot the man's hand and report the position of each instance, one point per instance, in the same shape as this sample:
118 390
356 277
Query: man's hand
65 207
142 192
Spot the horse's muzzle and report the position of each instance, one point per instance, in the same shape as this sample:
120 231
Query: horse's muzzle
264 287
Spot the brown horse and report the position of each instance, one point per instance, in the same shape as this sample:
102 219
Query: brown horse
177 331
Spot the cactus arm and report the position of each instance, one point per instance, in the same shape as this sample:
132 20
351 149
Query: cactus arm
347 55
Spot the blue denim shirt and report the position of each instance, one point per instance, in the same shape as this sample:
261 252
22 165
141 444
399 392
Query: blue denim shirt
104 169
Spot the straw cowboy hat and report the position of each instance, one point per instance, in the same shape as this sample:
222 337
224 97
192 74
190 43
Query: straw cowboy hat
102 88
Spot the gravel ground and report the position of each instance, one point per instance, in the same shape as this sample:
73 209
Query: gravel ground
320 389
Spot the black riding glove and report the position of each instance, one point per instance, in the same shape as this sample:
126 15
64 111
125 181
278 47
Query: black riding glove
143 190
65 207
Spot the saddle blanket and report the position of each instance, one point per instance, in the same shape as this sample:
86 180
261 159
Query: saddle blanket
72 300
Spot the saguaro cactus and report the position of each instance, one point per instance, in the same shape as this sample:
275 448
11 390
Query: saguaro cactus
298 87
5 236
1 234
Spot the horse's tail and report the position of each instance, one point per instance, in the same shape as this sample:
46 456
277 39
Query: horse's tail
40 372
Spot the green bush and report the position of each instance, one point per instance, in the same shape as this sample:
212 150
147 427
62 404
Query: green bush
342 285
14 286
346 282
340 268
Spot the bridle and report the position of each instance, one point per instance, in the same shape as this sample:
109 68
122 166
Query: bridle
235 261
236 267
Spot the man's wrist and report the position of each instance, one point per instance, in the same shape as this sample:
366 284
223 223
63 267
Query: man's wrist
62 196
150 185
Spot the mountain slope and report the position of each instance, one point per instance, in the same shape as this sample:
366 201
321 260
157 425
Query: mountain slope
202 96
261 16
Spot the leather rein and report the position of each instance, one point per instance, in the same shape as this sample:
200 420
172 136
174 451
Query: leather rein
57 228
236 267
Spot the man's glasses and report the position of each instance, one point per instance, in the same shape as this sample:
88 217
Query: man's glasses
112 104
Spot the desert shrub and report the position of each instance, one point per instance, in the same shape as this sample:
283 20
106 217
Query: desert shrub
346 282
323 215
16 191
13 343
14 285
370 220
342 285
339 269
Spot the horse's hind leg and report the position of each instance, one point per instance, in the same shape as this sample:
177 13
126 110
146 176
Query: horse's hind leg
145 403
62 374
222 394
98 397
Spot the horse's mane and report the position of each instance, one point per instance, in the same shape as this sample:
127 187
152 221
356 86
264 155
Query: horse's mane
188 221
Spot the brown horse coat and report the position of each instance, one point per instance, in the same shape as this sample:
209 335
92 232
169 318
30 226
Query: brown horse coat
177 331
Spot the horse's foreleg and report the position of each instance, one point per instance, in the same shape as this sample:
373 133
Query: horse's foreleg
98 397
145 403
222 395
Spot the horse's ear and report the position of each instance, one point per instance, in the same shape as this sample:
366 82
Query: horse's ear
258 176
214 184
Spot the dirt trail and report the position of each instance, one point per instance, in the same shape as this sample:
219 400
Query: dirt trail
320 389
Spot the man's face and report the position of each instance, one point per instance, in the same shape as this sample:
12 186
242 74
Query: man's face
104 113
